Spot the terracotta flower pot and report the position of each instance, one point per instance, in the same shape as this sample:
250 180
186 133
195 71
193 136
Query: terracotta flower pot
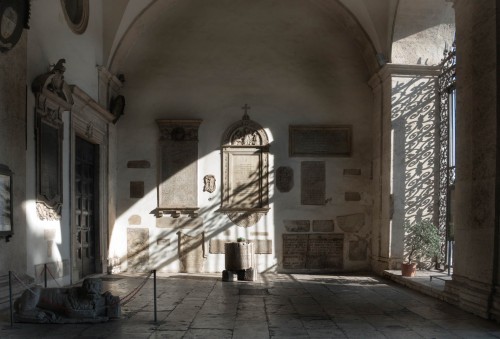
408 270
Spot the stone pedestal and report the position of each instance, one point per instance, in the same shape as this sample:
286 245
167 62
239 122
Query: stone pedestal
239 261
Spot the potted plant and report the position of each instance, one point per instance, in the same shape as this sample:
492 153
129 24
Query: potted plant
421 241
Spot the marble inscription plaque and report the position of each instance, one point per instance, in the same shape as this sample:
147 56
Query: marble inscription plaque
259 233
178 186
357 250
352 171
352 196
284 179
181 222
313 251
134 220
297 225
263 246
351 223
244 186
138 249
322 225
325 251
191 253
163 242
216 246
313 183
136 189
294 250
138 164
320 141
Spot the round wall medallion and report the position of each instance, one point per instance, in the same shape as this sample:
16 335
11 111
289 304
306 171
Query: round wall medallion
13 18
76 13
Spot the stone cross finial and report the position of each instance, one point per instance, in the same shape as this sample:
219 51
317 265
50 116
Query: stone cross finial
246 108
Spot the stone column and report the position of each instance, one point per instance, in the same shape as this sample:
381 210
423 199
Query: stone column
475 271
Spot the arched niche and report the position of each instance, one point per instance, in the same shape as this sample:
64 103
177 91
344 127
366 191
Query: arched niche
245 163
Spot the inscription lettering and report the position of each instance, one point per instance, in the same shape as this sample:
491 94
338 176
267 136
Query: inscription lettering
313 251
313 183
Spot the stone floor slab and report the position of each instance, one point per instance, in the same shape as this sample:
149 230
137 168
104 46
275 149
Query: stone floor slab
297 306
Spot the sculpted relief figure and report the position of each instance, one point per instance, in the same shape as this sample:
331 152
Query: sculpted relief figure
209 183
67 305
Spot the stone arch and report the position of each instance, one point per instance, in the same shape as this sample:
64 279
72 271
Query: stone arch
422 31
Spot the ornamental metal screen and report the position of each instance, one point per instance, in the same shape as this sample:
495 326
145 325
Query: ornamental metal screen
447 106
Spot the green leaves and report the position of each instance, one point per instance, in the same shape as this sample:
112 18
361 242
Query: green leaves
421 240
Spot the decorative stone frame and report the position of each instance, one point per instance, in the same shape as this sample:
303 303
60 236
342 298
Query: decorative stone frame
52 97
241 141
93 123
6 205
179 136
79 26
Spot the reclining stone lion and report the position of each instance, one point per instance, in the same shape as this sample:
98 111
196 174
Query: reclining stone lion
67 305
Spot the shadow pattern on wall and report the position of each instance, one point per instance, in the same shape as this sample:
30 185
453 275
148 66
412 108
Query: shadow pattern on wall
415 156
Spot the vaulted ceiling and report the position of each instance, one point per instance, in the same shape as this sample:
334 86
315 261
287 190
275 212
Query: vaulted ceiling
399 31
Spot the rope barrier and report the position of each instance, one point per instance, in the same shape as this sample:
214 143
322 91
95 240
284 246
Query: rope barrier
52 276
126 299
22 282
123 301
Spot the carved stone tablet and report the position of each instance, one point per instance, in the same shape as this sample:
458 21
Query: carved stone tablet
138 249
181 222
313 251
352 196
245 157
357 250
312 183
351 223
284 179
297 225
294 251
138 164
134 220
263 246
320 141
178 166
352 171
136 189
244 189
216 246
325 251
191 253
322 225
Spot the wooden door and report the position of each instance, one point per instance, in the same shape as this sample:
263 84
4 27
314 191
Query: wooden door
86 209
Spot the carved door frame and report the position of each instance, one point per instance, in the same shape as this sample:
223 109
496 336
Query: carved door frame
91 122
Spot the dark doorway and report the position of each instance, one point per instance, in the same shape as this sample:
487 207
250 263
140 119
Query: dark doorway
87 206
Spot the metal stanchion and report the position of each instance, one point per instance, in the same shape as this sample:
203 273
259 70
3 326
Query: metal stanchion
45 274
154 293
10 300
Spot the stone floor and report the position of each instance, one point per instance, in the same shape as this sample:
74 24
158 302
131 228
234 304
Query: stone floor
278 306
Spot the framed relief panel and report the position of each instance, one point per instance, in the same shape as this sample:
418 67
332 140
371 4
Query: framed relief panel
6 210
245 157
49 162
320 140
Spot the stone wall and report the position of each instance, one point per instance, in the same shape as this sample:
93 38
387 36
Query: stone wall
13 138
281 61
